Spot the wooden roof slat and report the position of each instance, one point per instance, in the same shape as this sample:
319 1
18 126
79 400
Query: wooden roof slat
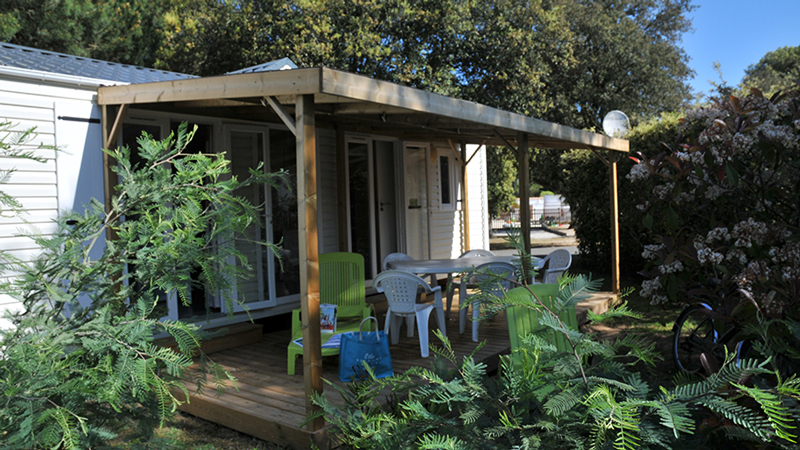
383 92
262 84
356 96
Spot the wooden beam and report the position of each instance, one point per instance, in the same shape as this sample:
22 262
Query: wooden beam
260 84
509 145
613 189
596 153
359 87
476 152
456 155
308 251
110 138
284 115
217 103
524 191
341 191
110 180
465 198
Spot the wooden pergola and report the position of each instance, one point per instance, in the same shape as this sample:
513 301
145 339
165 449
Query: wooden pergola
306 98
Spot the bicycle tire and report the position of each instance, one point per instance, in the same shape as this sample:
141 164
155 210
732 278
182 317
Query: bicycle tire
694 335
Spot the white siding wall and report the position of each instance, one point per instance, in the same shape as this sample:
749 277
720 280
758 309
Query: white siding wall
478 192
38 186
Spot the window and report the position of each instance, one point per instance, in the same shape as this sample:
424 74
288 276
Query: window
447 183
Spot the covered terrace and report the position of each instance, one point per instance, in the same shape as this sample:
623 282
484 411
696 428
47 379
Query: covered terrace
304 99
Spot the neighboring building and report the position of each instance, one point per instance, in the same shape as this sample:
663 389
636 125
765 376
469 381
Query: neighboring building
402 195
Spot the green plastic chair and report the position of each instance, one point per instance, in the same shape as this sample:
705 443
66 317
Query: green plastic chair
341 283
524 321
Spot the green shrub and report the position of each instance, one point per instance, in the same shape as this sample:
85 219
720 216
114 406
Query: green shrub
80 361
583 180
556 400
722 206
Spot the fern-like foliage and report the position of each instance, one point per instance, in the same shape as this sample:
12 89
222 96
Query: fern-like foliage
79 361
551 399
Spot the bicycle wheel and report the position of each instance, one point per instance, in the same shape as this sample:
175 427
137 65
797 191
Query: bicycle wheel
694 335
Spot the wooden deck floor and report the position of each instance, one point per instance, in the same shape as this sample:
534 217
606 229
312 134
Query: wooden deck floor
270 404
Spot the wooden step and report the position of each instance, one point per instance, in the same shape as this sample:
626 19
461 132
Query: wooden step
232 336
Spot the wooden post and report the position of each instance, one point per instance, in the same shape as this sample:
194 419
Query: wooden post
464 197
524 191
110 133
613 189
308 250
341 191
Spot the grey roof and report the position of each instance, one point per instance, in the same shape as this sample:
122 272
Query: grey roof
278 64
34 59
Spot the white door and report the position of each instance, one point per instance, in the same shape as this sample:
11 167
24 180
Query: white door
387 199
416 201
372 201
246 147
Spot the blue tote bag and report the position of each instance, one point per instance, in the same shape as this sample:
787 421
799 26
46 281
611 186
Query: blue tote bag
359 347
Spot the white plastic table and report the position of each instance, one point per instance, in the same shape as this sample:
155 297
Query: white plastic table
455 265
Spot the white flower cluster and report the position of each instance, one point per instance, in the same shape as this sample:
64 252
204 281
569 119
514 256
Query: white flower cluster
707 256
685 197
683 156
638 172
651 251
737 256
662 191
788 256
748 232
718 234
673 267
658 300
778 134
752 272
650 287
707 115
643 206
714 192
742 142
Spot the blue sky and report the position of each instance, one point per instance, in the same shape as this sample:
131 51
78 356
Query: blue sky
737 33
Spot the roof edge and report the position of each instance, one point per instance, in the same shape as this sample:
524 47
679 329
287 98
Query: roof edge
57 78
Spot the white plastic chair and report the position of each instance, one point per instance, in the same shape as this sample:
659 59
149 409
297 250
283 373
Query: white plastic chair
403 257
457 284
394 257
400 289
476 253
502 276
555 264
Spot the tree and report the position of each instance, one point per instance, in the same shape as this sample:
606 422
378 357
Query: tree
80 361
777 70
117 30
500 180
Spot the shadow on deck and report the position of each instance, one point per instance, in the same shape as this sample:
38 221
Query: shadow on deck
270 404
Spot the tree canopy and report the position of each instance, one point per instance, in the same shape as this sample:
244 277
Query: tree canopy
777 70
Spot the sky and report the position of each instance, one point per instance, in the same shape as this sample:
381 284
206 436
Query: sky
737 33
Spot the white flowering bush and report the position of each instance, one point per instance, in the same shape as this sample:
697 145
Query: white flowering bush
722 206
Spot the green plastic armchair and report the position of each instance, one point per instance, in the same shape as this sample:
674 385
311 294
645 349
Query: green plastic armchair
341 283
523 321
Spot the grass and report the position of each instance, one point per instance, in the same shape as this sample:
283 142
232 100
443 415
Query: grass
186 432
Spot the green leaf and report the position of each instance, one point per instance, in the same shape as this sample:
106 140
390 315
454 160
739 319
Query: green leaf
673 220
731 175
648 221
